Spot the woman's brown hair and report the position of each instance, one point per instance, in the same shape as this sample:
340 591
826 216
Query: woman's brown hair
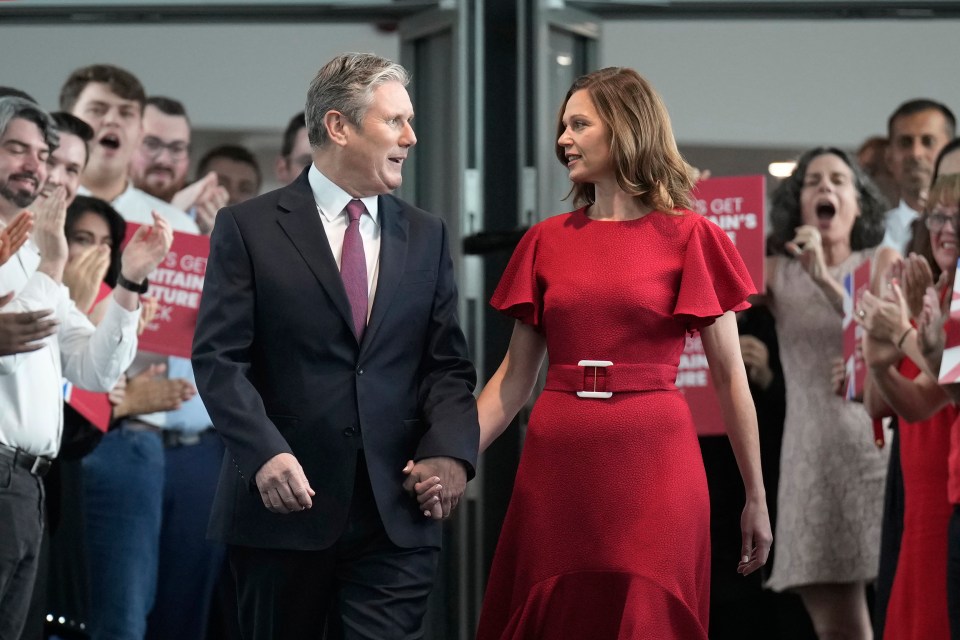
643 150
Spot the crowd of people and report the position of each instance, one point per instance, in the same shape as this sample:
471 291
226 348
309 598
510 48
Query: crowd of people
845 513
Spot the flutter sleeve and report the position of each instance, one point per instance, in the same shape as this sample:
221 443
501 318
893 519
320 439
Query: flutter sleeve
518 294
714 278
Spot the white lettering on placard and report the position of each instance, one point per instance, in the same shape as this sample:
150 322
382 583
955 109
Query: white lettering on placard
693 368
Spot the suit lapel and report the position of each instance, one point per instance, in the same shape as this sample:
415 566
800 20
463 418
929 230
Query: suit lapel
300 220
393 258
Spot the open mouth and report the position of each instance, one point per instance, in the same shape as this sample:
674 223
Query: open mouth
572 158
826 211
110 141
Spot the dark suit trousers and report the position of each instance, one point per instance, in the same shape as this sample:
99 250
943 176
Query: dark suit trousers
362 588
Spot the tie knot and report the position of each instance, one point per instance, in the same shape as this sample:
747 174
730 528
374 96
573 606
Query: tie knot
355 209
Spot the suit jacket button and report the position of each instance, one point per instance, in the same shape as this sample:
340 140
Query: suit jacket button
359 371
349 431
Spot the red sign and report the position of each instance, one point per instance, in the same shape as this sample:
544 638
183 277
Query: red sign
176 284
93 406
737 206
854 284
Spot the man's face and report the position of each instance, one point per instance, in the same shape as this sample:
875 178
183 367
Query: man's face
291 166
915 141
116 126
374 152
238 178
64 166
159 165
23 164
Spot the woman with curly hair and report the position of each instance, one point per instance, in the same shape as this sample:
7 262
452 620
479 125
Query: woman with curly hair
827 218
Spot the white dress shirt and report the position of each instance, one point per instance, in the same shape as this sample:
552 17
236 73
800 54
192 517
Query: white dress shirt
31 384
899 227
135 206
332 204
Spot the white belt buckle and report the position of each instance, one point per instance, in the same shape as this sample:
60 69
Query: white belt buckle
595 364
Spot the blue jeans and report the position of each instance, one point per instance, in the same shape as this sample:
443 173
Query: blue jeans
189 563
123 493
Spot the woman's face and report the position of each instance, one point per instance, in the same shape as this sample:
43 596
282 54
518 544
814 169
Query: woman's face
585 140
829 199
944 240
90 230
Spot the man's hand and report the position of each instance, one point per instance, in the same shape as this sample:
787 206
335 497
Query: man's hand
283 485
14 235
756 359
436 482
146 249
22 332
83 276
206 196
149 391
50 216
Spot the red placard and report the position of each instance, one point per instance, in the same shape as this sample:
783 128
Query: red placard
176 284
93 406
854 284
737 205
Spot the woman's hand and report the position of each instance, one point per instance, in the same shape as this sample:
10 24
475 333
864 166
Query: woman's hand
917 276
930 331
756 358
83 276
429 493
807 247
884 319
756 536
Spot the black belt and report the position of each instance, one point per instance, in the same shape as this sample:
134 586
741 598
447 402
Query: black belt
37 465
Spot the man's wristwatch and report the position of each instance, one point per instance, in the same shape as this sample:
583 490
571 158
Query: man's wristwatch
132 286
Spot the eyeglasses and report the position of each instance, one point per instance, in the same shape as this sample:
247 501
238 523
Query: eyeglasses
935 221
154 147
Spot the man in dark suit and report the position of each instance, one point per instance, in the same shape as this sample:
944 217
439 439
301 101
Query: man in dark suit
328 352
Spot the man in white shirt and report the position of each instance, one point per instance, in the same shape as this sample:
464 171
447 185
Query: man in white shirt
160 164
917 130
30 384
128 506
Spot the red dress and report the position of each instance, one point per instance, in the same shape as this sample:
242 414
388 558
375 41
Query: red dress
607 533
917 609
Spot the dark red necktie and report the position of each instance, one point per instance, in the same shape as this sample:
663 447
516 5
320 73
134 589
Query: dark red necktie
353 267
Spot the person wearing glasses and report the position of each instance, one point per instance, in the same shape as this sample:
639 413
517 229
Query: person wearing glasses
159 165
902 382
162 160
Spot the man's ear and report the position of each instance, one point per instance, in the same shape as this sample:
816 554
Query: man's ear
337 127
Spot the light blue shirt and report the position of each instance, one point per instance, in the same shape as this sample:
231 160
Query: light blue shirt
192 416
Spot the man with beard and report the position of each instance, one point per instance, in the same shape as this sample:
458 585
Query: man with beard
160 164
30 384
917 131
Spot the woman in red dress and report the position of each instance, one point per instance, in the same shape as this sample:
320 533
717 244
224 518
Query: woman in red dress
607 533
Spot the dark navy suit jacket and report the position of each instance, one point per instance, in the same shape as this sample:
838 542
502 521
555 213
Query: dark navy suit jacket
280 370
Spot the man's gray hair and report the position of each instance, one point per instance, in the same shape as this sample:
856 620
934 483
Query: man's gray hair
13 107
346 84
